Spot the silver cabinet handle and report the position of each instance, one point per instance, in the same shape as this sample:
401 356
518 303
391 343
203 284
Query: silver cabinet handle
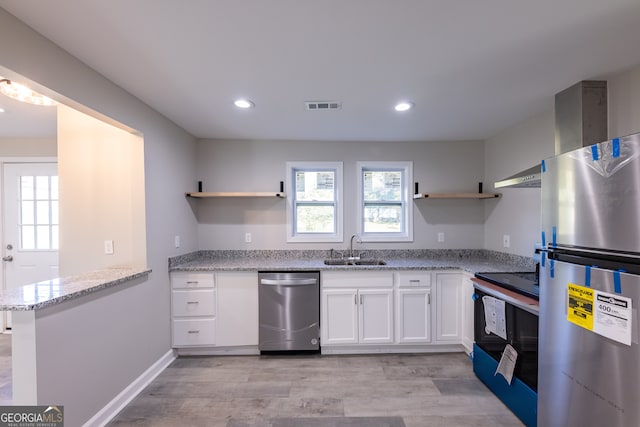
414 281
192 282
8 258
193 302
360 299
193 332
355 299
428 299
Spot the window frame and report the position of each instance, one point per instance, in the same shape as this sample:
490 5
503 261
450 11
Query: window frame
406 168
292 235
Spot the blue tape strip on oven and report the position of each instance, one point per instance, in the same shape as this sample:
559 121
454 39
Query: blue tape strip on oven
594 153
615 150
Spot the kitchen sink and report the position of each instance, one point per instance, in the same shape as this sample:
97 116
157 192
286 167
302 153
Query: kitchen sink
354 262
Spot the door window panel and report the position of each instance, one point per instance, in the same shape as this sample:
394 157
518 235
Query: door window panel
39 213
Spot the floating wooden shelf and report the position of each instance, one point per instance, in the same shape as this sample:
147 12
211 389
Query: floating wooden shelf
456 195
210 194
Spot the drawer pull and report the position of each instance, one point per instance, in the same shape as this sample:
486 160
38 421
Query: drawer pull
192 282
193 332
414 281
193 302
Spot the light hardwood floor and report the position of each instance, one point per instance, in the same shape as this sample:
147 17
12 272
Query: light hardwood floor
434 390
318 391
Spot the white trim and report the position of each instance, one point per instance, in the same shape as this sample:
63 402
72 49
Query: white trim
111 409
291 191
407 234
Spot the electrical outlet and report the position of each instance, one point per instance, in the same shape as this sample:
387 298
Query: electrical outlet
506 241
441 237
247 237
108 247
176 241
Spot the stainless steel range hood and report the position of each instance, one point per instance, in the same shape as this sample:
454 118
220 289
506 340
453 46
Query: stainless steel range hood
580 121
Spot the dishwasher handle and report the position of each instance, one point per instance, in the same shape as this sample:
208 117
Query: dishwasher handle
288 282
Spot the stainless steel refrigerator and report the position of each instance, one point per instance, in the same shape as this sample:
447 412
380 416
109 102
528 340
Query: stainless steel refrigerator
589 358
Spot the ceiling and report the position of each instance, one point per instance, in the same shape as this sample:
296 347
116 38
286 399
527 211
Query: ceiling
472 68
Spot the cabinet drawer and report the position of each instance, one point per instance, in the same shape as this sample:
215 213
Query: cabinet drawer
194 332
189 280
194 302
413 279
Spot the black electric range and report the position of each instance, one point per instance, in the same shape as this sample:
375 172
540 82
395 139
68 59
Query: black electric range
524 283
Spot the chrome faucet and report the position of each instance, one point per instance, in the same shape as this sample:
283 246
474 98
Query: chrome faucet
358 239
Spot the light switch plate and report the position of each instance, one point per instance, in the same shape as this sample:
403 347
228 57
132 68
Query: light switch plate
441 237
506 240
108 247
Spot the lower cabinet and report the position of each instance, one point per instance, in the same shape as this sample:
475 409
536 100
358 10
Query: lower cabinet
193 309
356 315
413 315
467 312
237 308
448 307
214 310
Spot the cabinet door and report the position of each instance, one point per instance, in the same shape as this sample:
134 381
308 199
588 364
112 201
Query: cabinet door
237 318
339 321
467 312
413 315
376 316
449 307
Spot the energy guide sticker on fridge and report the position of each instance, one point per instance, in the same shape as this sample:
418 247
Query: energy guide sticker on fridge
580 310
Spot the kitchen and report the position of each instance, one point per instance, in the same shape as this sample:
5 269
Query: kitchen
467 224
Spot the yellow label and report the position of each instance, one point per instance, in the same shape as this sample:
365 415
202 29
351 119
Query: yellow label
580 309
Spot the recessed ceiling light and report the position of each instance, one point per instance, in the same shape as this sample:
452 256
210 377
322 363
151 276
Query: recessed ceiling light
243 103
404 106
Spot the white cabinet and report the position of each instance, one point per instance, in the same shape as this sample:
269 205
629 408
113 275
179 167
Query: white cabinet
413 307
448 307
356 308
467 312
237 319
193 309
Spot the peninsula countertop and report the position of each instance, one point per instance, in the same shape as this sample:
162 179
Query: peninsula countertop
55 291
465 259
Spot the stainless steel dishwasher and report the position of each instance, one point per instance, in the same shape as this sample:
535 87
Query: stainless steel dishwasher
289 311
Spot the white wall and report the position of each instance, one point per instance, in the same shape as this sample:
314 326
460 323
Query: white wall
138 332
28 147
260 166
101 169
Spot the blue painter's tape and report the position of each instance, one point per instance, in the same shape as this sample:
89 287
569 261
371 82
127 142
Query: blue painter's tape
616 147
474 296
543 166
587 276
552 269
554 235
617 286
542 258
544 240
594 152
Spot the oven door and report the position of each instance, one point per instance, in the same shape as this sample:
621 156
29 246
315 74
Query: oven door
522 334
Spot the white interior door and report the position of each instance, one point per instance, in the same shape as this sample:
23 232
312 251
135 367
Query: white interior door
31 229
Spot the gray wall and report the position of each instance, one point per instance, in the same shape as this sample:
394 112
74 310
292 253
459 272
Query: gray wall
520 147
138 334
28 147
260 166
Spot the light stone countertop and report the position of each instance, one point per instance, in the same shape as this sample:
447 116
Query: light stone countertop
467 260
51 292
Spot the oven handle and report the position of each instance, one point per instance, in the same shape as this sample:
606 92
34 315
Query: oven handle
516 303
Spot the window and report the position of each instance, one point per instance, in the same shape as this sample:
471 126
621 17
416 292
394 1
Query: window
314 201
384 211
38 212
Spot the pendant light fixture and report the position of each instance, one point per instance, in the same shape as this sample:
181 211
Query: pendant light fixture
24 94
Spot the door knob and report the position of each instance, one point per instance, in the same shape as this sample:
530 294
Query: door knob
7 258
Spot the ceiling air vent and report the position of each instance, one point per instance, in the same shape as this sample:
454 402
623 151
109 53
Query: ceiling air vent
322 105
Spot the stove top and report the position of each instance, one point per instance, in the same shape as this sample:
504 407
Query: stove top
524 283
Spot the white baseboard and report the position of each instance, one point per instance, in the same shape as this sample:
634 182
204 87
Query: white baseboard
111 409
